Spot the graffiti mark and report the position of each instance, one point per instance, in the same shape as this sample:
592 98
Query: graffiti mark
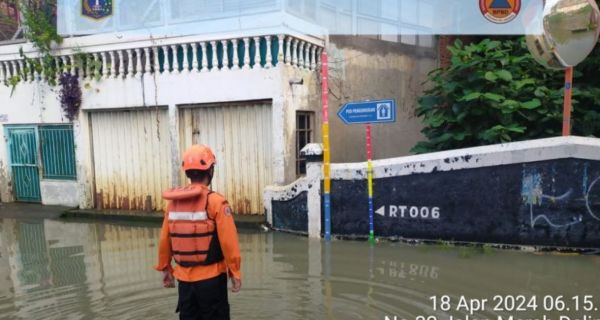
531 190
544 217
533 194
587 199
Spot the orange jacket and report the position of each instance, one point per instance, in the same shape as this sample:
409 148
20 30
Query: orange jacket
218 210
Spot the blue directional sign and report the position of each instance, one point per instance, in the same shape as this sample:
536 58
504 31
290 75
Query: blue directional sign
380 111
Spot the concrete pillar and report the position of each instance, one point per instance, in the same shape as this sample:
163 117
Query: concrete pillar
84 160
279 150
314 173
174 141
5 178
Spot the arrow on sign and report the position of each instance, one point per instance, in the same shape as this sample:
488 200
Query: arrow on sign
381 211
379 111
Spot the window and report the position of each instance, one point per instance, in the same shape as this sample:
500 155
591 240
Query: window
58 152
11 29
304 136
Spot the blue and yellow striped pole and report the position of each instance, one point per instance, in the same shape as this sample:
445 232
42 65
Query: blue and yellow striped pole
370 183
326 150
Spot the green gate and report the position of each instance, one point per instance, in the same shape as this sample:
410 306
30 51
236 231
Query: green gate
23 153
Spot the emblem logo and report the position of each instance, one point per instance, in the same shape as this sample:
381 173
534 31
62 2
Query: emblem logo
500 11
96 9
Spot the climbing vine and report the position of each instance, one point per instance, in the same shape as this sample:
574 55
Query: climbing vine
70 95
40 30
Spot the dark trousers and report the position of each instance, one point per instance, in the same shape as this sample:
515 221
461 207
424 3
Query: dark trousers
203 300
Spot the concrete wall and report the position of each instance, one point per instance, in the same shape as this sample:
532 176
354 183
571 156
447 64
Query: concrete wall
539 192
57 192
37 103
29 103
361 68
299 97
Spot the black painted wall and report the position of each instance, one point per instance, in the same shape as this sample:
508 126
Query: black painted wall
552 203
291 215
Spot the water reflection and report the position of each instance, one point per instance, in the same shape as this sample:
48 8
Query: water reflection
65 270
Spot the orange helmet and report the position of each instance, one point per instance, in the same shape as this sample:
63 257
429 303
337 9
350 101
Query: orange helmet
198 157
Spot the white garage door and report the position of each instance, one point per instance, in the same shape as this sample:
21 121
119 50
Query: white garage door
131 153
240 135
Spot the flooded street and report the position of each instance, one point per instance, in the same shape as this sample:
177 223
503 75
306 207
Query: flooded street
80 270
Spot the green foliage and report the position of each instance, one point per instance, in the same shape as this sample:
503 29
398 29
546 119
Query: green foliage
494 91
39 26
40 30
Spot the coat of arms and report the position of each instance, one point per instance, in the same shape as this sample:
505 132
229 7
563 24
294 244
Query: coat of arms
97 9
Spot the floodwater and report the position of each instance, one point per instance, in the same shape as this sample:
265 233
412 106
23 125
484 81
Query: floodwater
53 269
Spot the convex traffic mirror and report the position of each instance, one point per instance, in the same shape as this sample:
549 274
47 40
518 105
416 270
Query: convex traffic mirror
571 29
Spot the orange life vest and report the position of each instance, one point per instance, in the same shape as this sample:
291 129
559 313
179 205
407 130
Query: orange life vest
193 234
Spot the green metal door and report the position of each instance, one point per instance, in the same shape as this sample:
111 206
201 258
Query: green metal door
23 151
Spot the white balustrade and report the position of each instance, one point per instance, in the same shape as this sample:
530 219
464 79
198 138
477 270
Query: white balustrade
225 46
269 60
175 59
186 64
129 63
204 57
313 63
257 53
64 64
301 54
165 63
156 60
280 39
13 69
147 66
307 56
295 53
236 61
246 54
138 62
57 66
72 62
22 71
195 56
215 59
288 55
121 64
198 56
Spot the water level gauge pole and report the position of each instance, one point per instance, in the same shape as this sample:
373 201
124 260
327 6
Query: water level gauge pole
370 183
326 150
566 131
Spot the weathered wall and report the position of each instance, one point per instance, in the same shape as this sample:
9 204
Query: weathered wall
365 69
299 97
35 102
29 103
539 192
550 203
56 192
291 215
297 207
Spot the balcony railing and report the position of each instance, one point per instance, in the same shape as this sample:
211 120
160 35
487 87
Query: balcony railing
169 56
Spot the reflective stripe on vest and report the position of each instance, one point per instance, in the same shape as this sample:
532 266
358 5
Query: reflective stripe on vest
188 216
193 233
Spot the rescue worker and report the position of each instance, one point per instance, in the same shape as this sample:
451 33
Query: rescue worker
199 234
